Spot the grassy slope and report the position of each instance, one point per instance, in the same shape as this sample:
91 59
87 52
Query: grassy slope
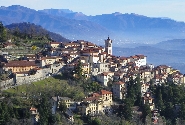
51 86
47 83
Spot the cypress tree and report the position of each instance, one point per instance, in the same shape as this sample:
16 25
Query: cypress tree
44 111
127 109
146 111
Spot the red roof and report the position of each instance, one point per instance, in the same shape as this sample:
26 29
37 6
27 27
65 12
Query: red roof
96 95
141 56
103 92
91 99
134 57
20 63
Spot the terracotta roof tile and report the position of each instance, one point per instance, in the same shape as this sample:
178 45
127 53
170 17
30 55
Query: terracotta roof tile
20 63
103 92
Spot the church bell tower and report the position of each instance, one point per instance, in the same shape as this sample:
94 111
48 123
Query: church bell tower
108 46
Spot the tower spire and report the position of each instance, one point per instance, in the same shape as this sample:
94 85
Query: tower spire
108 46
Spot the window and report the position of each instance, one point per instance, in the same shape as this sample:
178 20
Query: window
109 51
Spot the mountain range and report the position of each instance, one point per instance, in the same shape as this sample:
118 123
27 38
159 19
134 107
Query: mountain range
123 28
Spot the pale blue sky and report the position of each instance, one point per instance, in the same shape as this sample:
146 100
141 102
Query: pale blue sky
174 9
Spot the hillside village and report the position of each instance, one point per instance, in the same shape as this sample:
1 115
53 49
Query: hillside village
97 63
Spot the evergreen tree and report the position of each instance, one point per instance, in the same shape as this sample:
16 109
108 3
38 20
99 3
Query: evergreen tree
52 119
177 94
5 116
16 113
1 114
182 112
137 85
3 33
169 114
78 71
96 121
146 111
11 111
159 102
127 109
27 113
44 111
120 111
134 91
138 101
170 94
62 107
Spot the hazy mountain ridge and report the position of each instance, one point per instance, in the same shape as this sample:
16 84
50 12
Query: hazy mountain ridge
175 44
125 26
65 13
56 24
76 25
118 21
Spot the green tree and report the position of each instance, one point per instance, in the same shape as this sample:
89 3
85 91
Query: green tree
3 33
177 94
170 94
169 114
78 71
52 119
16 113
134 90
96 121
91 86
182 111
44 111
159 102
4 116
138 101
58 117
127 109
62 106
146 111
11 111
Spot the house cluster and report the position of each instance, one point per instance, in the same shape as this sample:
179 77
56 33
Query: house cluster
98 63
28 69
93 104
